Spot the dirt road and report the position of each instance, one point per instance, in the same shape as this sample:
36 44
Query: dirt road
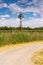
19 56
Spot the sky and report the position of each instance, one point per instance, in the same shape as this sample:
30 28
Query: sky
32 11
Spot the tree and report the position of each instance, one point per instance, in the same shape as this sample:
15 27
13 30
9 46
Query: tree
20 16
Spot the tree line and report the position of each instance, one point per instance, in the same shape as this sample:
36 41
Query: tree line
18 28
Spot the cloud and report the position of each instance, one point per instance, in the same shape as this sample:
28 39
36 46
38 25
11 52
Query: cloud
35 2
41 7
35 6
9 22
5 16
2 22
3 5
14 8
34 14
12 22
38 6
33 22
22 1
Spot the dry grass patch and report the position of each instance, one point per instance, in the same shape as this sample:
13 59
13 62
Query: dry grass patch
38 57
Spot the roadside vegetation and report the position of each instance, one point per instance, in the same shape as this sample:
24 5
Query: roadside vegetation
38 57
11 35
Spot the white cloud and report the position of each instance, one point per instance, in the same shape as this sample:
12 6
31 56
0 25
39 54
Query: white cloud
22 1
33 22
31 9
3 5
4 16
39 5
14 8
2 22
9 22
34 14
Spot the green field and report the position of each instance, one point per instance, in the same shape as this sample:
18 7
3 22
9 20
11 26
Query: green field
14 37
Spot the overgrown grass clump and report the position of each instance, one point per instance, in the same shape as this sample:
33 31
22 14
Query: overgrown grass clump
38 57
15 37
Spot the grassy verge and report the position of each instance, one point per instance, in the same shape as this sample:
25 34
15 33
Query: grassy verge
16 37
38 57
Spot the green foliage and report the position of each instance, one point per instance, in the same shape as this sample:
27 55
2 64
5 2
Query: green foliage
23 28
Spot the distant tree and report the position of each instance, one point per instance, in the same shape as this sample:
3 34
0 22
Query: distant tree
20 16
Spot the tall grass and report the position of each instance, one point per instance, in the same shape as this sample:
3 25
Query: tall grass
14 37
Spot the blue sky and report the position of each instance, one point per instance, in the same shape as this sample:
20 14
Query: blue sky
32 11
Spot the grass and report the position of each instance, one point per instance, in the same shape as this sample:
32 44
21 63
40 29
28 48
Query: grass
38 57
14 37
